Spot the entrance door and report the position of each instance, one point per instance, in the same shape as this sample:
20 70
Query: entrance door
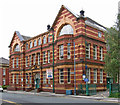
109 80
37 83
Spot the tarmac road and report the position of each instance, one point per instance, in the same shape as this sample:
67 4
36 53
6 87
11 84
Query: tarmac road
21 99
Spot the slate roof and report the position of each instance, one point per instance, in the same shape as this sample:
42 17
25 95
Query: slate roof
22 37
4 61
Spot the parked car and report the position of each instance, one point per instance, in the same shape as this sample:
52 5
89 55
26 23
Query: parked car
1 89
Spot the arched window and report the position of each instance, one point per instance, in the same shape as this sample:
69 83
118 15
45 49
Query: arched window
26 46
67 29
48 38
44 40
35 44
30 44
17 48
39 41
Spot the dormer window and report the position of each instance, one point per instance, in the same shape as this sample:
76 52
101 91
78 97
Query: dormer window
17 48
67 29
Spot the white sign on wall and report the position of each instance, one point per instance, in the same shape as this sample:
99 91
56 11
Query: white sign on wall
49 73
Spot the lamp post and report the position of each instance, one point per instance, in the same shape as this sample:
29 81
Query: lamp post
50 28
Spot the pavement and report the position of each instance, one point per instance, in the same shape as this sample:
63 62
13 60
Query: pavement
99 96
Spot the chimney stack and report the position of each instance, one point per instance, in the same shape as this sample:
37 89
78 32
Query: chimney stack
82 13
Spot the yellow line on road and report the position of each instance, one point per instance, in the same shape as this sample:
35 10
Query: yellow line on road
10 102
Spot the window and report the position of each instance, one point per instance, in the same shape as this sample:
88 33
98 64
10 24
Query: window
38 58
17 48
48 80
87 50
30 44
27 46
101 76
95 75
34 59
4 72
44 40
26 61
44 77
26 78
48 56
48 38
94 52
68 51
13 62
30 60
39 41
99 34
68 76
35 44
61 76
17 62
30 78
61 51
88 74
44 57
17 76
67 29
13 78
4 82
101 53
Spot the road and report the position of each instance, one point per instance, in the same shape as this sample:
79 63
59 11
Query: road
21 99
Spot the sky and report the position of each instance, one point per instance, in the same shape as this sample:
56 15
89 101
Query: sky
31 17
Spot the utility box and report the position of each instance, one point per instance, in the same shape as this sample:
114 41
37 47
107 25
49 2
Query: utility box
68 92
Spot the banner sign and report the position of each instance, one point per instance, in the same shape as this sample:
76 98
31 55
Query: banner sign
49 73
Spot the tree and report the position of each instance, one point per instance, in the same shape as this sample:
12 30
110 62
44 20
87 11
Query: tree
112 58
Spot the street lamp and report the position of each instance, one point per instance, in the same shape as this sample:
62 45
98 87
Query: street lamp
51 29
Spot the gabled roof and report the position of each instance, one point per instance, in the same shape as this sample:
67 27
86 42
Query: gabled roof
21 37
4 61
62 7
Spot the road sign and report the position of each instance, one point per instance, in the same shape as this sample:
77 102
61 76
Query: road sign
86 80
49 73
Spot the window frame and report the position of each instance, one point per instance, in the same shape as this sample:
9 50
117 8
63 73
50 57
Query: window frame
95 76
38 55
35 43
101 53
88 75
101 76
26 61
44 77
31 44
61 74
68 51
95 52
13 61
61 52
17 62
44 40
4 72
87 49
44 57
39 41
48 56
68 75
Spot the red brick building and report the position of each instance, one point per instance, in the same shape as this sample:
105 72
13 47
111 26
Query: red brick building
32 58
4 71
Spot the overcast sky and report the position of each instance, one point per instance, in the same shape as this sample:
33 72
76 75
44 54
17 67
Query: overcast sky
30 17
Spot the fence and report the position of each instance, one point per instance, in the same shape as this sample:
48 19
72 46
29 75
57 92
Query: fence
88 89
114 88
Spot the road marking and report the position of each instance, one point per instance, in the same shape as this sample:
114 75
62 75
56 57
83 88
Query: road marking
10 102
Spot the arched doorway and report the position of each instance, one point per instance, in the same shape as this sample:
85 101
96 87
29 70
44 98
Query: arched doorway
37 80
